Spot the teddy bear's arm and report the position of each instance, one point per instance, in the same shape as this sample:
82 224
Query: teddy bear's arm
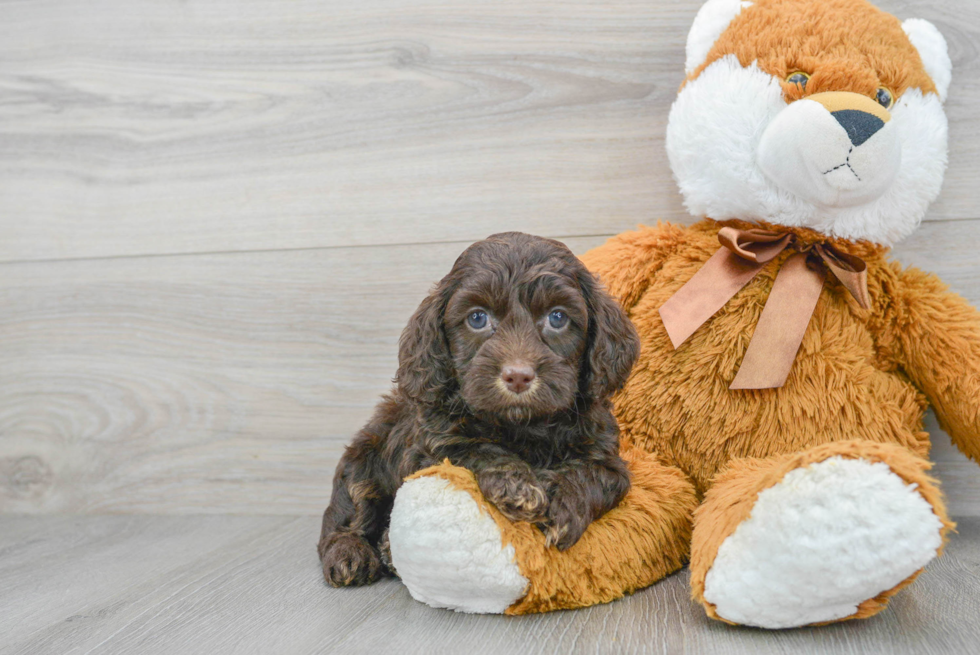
937 334
628 262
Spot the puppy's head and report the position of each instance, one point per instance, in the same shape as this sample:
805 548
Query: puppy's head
518 329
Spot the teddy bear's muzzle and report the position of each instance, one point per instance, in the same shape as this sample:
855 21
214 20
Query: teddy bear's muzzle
836 149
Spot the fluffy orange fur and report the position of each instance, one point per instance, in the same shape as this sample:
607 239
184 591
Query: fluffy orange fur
640 541
859 386
778 34
859 374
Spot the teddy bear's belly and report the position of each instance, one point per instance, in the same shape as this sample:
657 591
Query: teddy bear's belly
678 405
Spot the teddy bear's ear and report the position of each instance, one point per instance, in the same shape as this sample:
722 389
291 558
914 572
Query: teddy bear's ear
932 48
712 19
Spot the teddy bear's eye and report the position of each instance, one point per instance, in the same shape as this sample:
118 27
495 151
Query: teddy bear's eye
799 78
885 98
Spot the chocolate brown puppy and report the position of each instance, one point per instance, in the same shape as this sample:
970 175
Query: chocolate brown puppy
506 368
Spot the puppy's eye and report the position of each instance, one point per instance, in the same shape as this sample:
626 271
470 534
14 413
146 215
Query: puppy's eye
885 98
799 78
478 319
557 319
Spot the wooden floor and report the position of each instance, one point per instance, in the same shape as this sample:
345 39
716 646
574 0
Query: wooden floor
215 219
214 585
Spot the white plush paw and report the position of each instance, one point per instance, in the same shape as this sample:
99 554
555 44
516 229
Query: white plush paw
448 551
826 538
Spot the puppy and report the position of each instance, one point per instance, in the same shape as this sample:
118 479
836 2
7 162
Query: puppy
506 369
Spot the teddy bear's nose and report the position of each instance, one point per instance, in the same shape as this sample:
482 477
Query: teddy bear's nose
860 116
860 125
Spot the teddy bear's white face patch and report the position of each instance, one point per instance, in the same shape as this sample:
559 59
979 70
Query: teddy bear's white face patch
738 150
839 152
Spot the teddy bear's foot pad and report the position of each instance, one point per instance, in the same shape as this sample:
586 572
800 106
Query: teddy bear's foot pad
825 539
449 552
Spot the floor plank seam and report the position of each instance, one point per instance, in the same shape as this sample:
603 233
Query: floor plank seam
358 246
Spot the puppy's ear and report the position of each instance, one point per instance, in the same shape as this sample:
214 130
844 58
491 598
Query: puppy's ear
425 367
613 344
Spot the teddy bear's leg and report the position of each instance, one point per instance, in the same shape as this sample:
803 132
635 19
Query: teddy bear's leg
453 549
824 535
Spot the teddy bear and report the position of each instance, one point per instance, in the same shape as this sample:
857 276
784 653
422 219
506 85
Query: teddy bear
773 424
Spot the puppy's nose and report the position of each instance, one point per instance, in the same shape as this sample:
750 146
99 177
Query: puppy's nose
517 377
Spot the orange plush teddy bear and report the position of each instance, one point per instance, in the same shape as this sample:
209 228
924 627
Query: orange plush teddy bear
773 423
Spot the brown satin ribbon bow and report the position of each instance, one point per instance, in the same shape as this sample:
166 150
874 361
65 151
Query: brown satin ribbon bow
790 305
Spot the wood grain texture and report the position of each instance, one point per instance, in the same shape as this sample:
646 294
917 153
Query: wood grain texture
146 127
240 585
230 383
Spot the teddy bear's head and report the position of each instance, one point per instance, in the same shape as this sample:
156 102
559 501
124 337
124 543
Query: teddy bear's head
824 114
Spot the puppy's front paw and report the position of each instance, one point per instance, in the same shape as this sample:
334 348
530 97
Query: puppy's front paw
515 491
566 523
350 561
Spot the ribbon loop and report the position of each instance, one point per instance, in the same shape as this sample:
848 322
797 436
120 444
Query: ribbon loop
851 271
792 300
759 246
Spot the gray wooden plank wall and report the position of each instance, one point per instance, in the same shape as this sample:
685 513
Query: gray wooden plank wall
215 217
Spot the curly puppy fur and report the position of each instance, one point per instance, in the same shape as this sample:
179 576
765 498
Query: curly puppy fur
544 447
